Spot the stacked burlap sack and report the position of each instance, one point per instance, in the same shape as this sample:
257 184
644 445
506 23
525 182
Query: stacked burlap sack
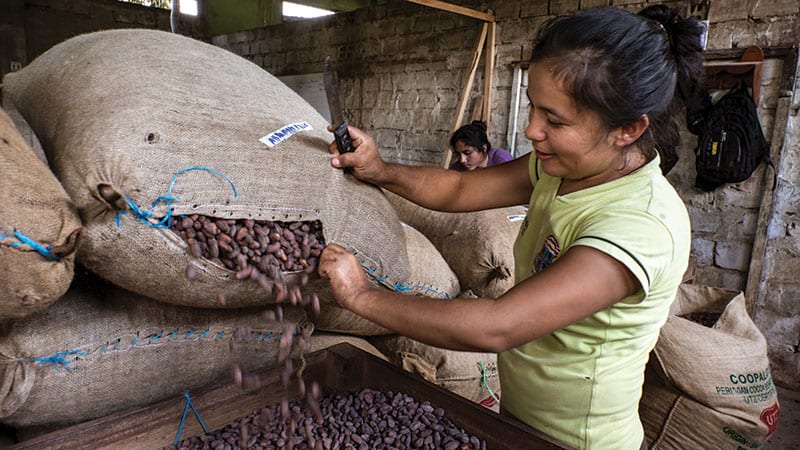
142 136
102 349
708 382
146 138
39 229
478 246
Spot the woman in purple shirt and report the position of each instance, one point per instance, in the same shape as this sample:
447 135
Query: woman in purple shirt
474 151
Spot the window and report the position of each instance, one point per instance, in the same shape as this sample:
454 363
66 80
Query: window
296 10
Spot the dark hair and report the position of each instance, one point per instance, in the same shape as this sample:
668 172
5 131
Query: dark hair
472 134
624 65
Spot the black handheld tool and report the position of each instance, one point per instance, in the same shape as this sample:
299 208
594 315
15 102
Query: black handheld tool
343 141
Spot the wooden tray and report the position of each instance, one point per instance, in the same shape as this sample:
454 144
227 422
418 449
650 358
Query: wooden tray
341 367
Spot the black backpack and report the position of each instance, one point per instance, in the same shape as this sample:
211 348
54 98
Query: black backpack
731 143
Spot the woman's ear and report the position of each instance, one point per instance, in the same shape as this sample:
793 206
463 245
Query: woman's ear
630 133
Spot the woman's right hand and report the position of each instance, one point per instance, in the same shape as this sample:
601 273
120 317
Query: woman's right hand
365 162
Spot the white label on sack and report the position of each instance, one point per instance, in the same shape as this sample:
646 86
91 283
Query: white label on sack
285 132
515 217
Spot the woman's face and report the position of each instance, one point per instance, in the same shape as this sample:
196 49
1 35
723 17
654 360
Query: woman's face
570 142
469 156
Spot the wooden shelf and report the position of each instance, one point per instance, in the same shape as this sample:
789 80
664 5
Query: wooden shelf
729 74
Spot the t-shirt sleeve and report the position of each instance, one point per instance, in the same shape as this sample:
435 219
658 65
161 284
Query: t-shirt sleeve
636 239
499 156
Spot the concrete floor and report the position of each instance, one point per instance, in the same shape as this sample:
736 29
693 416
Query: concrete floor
787 436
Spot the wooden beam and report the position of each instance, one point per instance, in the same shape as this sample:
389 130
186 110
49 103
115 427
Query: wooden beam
465 90
488 80
444 6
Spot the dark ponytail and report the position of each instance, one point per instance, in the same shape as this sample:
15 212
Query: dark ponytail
472 134
624 65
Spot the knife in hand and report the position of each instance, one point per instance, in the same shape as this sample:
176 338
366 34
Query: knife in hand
343 141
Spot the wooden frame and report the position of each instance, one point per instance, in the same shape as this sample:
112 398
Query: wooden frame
342 367
487 37
729 74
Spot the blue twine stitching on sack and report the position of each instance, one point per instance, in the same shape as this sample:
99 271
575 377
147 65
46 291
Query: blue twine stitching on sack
25 240
146 217
63 359
59 360
485 381
406 287
183 419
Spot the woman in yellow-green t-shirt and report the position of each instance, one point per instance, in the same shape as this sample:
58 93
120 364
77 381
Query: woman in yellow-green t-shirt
605 242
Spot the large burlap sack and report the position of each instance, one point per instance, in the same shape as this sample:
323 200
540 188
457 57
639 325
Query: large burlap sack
101 349
478 246
472 375
430 276
708 382
39 229
155 125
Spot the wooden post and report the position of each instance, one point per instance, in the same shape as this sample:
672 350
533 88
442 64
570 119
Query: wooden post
488 80
465 90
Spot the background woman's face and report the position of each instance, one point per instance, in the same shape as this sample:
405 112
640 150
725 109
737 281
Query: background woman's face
469 156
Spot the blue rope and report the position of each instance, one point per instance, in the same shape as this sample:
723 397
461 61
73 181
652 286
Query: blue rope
146 217
183 419
25 240
405 287
59 359
485 381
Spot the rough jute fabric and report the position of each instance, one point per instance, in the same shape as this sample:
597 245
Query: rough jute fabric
430 276
33 205
121 114
478 246
468 374
709 387
101 349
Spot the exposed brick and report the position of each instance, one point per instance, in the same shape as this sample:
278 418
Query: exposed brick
561 7
504 11
534 8
723 11
732 255
703 249
775 8
586 4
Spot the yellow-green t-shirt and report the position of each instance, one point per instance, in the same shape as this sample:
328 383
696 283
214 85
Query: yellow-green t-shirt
582 384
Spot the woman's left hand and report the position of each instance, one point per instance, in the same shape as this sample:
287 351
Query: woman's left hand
344 272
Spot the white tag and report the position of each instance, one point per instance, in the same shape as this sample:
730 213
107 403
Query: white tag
285 132
515 217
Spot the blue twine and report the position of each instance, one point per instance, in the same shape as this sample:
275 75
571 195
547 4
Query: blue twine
25 240
183 418
58 359
63 359
405 287
485 381
146 217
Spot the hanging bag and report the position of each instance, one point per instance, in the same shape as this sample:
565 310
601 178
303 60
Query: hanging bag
731 143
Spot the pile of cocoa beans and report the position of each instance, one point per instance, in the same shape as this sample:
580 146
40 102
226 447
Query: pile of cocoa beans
259 250
262 244
369 419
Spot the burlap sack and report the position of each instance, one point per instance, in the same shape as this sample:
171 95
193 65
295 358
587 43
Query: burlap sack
321 340
101 349
709 387
142 118
472 375
39 229
478 246
430 276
